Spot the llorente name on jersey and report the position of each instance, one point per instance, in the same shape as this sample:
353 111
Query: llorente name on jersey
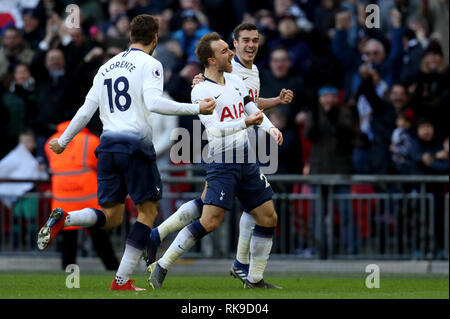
119 64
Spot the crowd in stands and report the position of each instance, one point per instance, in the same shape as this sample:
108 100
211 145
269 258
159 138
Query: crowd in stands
366 100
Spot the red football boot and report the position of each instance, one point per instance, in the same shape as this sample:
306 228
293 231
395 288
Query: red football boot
52 227
127 286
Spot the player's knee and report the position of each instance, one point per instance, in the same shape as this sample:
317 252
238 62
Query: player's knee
210 224
270 220
113 220
273 220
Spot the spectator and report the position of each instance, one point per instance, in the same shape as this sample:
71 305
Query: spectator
324 15
146 7
401 142
20 163
191 31
74 187
330 128
168 50
371 52
376 121
115 9
54 97
13 50
436 14
424 149
299 51
278 77
76 50
33 31
413 53
289 153
179 88
118 33
441 158
431 93
290 8
19 103
399 98
268 31
176 20
407 8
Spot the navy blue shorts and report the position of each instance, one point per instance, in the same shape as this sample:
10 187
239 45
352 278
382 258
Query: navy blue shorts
120 174
245 181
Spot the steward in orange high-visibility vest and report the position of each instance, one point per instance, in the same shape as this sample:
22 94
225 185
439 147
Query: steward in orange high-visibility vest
74 178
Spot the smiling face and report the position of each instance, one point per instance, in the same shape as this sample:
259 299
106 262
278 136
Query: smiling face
247 45
21 74
222 56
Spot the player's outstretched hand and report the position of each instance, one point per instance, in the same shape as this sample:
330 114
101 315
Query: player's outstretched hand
254 119
197 79
286 96
276 134
207 106
55 147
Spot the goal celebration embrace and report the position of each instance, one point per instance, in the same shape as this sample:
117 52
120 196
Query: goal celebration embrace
224 149
127 157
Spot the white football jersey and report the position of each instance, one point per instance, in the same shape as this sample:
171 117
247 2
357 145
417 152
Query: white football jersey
225 128
249 77
118 90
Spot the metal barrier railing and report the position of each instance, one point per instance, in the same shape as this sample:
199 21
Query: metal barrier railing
321 216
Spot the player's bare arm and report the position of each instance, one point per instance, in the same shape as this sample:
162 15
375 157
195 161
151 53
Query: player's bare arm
285 97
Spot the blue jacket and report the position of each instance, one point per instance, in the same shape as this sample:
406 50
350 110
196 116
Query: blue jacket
351 60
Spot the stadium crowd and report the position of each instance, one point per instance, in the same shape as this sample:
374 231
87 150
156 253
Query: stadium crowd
375 98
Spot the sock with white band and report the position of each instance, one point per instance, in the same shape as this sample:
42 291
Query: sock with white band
246 225
260 247
87 217
185 239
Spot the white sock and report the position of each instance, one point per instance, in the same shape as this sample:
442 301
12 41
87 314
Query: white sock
85 218
130 259
246 224
181 244
186 214
260 248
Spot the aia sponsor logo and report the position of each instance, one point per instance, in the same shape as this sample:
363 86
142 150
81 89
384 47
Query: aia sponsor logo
232 112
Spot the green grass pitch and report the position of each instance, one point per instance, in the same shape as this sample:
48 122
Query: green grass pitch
15 285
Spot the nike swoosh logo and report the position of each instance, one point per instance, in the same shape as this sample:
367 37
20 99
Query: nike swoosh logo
216 97
245 78
180 247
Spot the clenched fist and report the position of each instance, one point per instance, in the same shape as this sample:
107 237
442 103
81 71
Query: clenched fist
207 106
286 96
254 119
55 147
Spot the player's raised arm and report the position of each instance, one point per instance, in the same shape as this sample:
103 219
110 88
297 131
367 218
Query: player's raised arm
153 88
79 121
285 97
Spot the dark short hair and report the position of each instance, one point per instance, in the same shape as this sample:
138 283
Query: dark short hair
280 48
203 48
144 28
424 121
243 26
